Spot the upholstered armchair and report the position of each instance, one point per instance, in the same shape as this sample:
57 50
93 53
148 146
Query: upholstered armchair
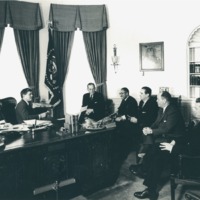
7 108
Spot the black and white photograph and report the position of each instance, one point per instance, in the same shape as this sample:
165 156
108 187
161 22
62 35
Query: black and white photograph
99 99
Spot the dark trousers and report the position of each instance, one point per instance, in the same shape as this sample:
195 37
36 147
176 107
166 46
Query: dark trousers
154 162
128 136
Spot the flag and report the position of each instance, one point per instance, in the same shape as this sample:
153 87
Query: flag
51 76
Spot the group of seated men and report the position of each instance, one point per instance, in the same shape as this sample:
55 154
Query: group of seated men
156 124
167 139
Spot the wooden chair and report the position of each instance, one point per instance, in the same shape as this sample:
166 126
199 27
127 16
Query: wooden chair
8 109
187 173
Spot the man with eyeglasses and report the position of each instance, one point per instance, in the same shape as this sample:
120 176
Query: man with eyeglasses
127 130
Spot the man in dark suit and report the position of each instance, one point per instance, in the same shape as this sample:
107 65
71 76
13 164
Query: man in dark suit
148 110
128 131
25 110
169 126
169 123
94 101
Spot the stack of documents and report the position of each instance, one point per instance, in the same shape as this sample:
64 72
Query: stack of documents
38 124
7 127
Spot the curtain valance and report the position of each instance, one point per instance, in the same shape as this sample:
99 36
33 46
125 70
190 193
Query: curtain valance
63 17
89 18
3 14
24 15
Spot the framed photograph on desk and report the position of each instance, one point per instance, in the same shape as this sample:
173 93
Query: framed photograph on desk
152 56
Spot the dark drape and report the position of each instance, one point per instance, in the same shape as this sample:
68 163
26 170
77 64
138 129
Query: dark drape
25 18
28 48
1 36
63 44
3 5
95 44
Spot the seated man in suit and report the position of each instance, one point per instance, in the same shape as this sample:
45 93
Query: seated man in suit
24 109
128 131
191 140
169 126
148 110
94 101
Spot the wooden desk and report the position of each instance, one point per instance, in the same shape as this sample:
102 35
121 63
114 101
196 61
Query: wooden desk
35 160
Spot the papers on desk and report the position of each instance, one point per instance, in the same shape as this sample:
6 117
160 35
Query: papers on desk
2 121
42 105
5 128
84 108
37 123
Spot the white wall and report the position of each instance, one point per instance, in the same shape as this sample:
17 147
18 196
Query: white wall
138 21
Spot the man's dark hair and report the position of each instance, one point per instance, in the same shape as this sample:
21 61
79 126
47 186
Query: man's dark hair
91 84
25 91
147 90
166 95
198 100
125 90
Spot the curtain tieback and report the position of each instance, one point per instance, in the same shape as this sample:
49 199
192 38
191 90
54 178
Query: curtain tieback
100 84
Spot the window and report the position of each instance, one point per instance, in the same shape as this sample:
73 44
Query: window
79 75
12 79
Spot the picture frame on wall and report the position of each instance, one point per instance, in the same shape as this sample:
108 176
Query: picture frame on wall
151 56
162 89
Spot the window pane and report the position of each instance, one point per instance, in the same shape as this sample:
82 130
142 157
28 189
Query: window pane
12 79
79 75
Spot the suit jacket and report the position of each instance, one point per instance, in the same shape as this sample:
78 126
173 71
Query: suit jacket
128 107
168 125
97 103
25 111
147 113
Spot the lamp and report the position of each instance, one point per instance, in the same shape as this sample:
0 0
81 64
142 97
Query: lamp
115 59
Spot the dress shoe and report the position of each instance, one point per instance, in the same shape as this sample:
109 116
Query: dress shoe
137 170
146 194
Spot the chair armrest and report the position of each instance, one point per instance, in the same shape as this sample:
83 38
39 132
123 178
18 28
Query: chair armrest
186 156
191 196
189 166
